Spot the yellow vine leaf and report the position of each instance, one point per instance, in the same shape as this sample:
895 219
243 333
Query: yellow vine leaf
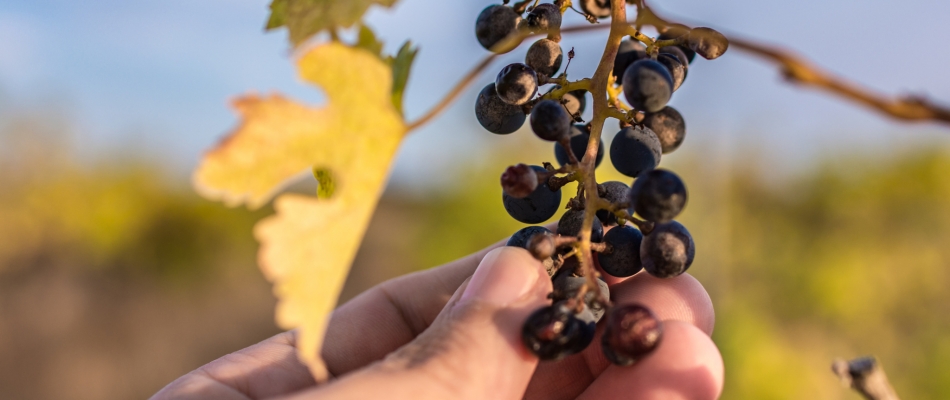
306 250
308 246
279 138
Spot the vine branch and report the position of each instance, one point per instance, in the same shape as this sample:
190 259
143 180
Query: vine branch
797 70
865 376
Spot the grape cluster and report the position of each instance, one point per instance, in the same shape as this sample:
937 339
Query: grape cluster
647 72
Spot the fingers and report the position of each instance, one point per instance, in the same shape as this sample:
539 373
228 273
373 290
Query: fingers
686 365
389 315
681 298
472 350
266 369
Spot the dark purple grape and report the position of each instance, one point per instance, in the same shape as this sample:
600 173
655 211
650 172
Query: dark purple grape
630 51
623 259
575 101
495 23
519 181
631 333
538 207
597 8
544 56
616 193
707 42
658 195
553 332
669 126
629 44
635 150
495 115
551 121
520 238
516 84
668 250
570 225
674 32
676 69
647 85
544 18
676 51
579 139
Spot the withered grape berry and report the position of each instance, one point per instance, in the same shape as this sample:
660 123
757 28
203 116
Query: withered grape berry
669 126
658 195
553 332
635 150
623 259
516 84
707 42
668 250
647 85
631 333
544 18
550 121
579 140
570 225
494 24
677 31
616 193
597 8
566 286
519 181
495 115
676 69
544 56
520 238
538 207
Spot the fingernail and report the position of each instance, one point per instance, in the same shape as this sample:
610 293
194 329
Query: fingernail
505 275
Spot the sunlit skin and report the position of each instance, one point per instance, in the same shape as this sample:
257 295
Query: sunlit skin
424 336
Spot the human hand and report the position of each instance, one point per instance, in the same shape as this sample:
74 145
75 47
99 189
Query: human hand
448 333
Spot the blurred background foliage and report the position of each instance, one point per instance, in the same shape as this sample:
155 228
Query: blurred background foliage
115 278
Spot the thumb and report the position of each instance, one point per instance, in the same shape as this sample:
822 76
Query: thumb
473 349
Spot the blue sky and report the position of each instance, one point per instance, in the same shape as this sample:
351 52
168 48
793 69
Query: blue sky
156 75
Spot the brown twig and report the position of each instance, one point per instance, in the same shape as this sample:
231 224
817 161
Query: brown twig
797 70
865 376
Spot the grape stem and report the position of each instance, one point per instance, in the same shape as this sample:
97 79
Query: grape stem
624 116
645 226
599 84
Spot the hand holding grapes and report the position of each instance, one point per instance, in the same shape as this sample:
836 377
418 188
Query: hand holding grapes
455 332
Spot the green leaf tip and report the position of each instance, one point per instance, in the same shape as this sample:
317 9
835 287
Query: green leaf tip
402 66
